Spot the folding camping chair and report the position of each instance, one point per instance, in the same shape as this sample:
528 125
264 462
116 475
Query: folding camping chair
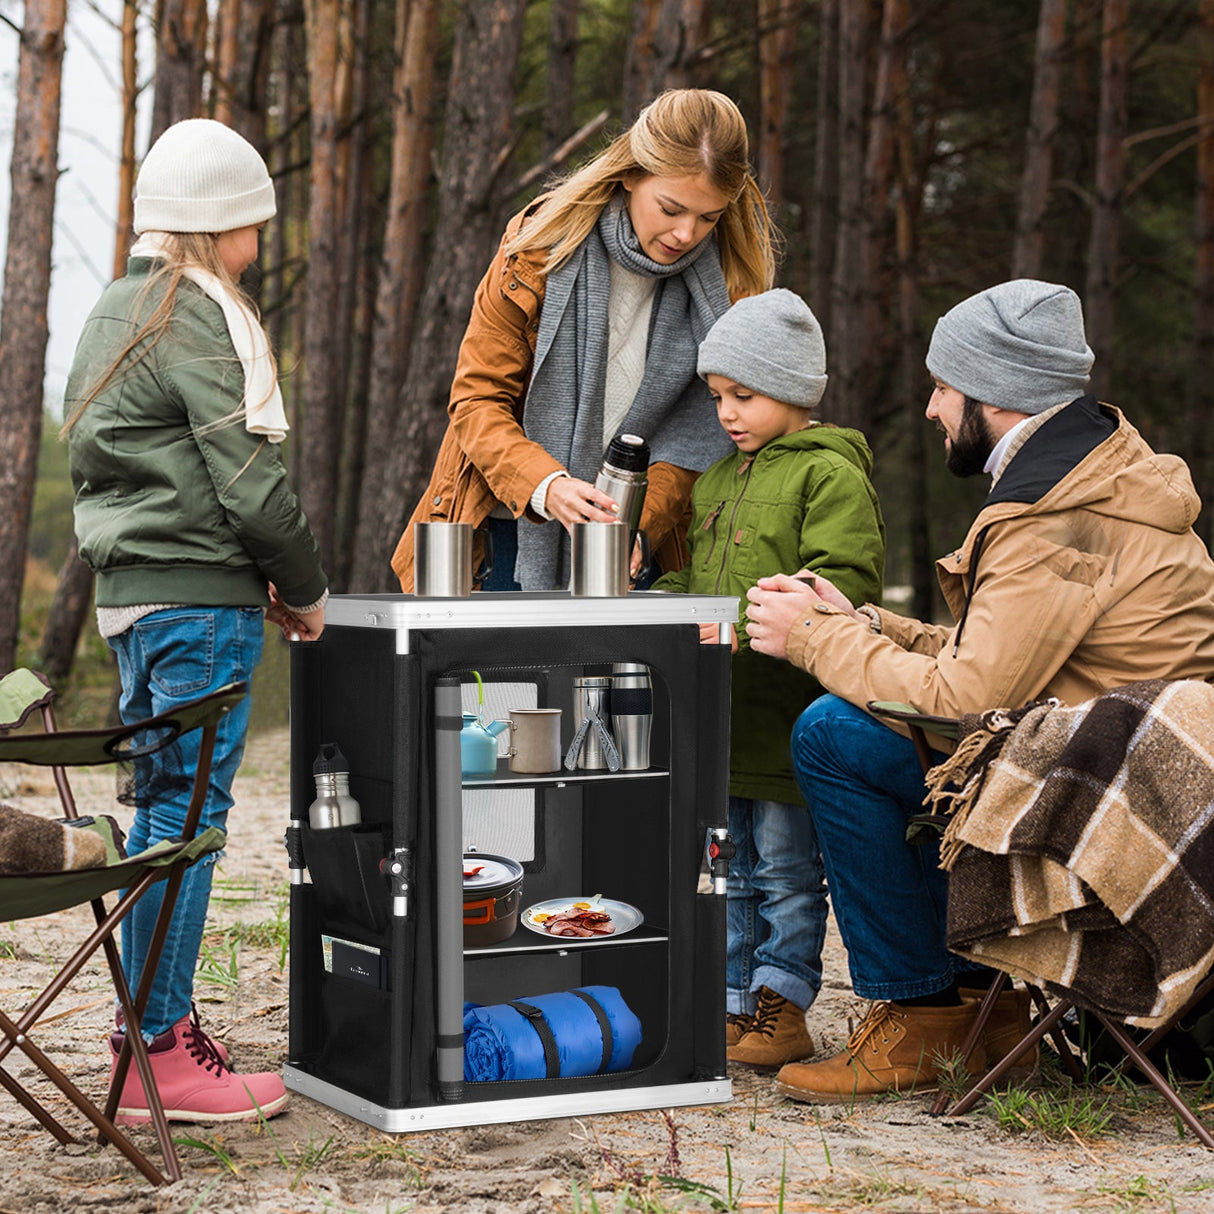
1049 1019
32 895
929 827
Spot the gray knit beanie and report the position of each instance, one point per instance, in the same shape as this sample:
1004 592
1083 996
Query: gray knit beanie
201 176
772 344
1019 346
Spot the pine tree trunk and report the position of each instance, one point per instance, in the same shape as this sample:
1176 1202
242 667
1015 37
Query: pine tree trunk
1039 140
562 75
126 163
27 276
1200 403
777 63
1100 292
323 396
401 274
824 213
478 136
180 63
69 610
846 340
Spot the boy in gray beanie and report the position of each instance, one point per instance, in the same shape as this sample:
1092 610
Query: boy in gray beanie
794 496
1080 574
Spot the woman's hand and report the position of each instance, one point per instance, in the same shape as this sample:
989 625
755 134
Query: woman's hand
570 501
294 625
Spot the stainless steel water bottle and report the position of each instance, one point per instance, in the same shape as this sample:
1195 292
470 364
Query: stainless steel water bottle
631 713
624 477
333 805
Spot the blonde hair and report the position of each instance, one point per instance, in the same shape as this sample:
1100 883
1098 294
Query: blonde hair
181 251
681 133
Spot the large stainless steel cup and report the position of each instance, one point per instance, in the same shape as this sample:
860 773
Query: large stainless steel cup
592 698
535 740
600 559
631 714
442 560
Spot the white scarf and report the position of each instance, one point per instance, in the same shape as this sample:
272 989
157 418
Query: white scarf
264 413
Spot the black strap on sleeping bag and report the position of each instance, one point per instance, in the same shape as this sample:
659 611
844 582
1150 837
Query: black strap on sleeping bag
604 1024
552 1060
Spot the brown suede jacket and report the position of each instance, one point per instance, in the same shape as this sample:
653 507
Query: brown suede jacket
485 457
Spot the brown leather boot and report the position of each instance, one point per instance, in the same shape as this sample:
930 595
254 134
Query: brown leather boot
1010 1021
736 1023
893 1049
777 1035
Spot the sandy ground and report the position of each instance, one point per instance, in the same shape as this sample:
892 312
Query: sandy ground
760 1152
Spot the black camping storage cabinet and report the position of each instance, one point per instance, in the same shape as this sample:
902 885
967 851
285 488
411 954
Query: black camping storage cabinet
380 973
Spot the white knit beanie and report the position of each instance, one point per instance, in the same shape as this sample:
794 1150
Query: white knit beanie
201 176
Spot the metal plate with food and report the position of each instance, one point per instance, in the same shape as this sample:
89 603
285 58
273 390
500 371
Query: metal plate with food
596 918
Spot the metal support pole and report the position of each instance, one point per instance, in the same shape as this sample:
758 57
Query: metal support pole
449 888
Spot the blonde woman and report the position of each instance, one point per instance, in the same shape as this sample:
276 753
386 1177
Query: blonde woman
587 324
184 513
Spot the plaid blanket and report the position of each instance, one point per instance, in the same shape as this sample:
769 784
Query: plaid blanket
1080 849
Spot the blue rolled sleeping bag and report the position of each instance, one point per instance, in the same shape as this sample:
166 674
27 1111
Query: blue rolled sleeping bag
577 1032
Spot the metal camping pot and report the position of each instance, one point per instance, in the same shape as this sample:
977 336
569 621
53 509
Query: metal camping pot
492 892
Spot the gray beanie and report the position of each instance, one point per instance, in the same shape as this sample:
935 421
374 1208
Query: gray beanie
772 344
1019 346
201 176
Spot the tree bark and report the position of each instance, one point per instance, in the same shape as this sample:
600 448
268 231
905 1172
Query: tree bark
323 390
126 163
777 62
27 277
1039 141
478 136
824 215
64 622
1200 403
666 39
400 278
562 73
1100 293
180 63
846 340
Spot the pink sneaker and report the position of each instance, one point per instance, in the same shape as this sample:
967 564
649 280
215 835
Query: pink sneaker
194 1083
217 1046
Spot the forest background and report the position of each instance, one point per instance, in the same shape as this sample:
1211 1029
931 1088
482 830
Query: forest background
912 152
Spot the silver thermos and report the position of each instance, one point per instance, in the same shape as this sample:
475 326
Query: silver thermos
631 713
333 805
624 477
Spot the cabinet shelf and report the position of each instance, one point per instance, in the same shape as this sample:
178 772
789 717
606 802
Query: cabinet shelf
505 778
526 941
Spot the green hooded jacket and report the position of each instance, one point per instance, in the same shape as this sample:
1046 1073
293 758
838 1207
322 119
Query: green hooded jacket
801 501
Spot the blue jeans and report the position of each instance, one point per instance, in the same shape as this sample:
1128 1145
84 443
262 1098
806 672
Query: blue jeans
166 659
862 781
775 905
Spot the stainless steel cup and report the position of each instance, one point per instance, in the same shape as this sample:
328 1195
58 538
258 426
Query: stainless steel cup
535 740
600 559
442 560
631 714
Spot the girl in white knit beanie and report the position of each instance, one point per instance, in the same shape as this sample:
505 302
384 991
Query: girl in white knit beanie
184 514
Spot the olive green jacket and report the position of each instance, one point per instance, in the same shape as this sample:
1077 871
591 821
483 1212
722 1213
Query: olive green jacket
176 502
801 501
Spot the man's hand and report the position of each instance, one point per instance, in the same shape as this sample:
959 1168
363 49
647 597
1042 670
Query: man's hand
826 590
570 501
776 603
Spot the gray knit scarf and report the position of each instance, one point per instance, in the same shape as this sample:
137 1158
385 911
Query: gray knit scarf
563 411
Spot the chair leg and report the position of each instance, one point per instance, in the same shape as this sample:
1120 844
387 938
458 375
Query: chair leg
85 1105
31 1106
1162 1086
997 1072
985 1008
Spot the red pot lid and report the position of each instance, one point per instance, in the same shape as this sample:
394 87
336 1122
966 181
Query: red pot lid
484 872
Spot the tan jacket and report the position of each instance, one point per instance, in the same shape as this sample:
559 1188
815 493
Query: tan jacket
1098 583
485 457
